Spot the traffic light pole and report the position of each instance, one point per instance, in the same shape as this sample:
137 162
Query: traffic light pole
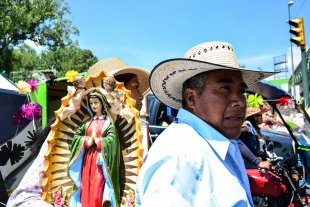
300 40
305 77
292 56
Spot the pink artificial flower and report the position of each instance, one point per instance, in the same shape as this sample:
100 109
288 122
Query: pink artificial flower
18 118
128 204
31 111
33 84
59 202
56 194
131 198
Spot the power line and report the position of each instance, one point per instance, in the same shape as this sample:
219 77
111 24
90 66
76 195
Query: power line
300 7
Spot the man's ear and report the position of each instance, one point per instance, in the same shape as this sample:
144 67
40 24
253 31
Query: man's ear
190 96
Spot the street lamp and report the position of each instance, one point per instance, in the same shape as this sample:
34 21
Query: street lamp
293 75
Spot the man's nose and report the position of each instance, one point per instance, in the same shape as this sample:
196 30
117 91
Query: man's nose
140 95
238 99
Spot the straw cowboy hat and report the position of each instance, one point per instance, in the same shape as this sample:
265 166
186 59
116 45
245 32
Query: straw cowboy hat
167 77
115 66
252 111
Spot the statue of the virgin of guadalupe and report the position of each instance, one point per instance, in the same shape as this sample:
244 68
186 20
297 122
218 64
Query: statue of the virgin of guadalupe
94 158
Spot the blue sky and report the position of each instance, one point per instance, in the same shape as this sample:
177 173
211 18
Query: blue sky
145 32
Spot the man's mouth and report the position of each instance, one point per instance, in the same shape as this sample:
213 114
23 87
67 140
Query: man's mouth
234 117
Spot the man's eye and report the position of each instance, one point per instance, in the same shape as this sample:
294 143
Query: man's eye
242 91
226 87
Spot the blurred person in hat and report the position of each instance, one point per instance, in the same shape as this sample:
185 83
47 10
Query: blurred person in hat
250 131
299 119
268 118
287 116
251 142
135 79
193 159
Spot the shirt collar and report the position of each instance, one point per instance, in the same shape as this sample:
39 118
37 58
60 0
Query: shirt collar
217 141
99 117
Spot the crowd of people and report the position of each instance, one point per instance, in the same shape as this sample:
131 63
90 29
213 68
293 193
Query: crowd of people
190 161
273 121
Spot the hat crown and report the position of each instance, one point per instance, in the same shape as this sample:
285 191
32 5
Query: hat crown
221 53
109 64
251 111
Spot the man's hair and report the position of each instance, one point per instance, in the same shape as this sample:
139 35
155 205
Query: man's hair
196 83
125 78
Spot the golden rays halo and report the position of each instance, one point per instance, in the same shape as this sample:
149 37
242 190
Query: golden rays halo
130 136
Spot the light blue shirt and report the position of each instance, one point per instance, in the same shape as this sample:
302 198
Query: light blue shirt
192 164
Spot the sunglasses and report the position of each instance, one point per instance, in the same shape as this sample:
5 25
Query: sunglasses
258 115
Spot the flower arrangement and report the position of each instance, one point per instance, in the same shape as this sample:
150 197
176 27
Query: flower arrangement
284 101
130 199
31 111
58 197
27 87
23 87
70 75
26 112
255 101
33 84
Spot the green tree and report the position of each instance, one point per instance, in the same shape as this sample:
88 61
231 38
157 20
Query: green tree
25 58
41 21
68 58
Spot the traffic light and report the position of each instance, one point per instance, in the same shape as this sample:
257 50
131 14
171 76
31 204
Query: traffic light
298 31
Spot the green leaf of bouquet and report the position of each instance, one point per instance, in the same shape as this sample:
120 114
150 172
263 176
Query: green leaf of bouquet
291 124
255 101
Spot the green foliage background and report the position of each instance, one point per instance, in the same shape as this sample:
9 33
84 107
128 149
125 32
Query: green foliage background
44 23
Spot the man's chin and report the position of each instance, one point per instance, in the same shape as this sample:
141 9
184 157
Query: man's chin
233 135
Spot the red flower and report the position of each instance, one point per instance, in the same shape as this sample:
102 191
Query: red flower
284 101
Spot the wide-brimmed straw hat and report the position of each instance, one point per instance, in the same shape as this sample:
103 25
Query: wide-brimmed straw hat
115 66
252 111
167 77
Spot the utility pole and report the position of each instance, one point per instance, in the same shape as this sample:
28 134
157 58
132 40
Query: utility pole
292 59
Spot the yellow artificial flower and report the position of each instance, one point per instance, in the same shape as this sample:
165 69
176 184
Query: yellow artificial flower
23 86
70 75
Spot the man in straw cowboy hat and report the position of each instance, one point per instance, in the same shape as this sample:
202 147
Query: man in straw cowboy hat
196 162
135 79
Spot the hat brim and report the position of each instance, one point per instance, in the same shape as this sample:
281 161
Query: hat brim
142 74
167 77
252 113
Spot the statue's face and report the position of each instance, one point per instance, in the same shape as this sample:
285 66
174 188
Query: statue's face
107 86
82 84
96 106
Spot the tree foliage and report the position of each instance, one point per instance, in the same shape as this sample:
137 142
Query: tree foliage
26 60
68 58
41 21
